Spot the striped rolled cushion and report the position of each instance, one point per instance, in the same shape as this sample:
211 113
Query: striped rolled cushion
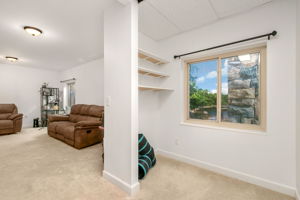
153 161
149 160
144 146
144 166
146 156
151 155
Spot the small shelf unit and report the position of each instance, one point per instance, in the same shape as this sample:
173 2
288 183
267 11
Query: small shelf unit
144 87
49 103
152 73
156 60
152 58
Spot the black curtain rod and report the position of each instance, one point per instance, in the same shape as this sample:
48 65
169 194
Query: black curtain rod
139 1
228 44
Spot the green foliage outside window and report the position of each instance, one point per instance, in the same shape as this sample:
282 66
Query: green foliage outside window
203 98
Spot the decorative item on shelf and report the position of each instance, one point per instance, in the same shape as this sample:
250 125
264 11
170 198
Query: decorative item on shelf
46 92
55 107
52 99
45 85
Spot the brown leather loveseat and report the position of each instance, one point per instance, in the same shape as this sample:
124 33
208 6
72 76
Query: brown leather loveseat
79 129
10 120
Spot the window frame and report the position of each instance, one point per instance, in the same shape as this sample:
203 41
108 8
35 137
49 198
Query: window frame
70 87
67 96
262 90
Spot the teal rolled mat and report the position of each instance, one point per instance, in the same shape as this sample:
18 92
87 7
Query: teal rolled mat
146 156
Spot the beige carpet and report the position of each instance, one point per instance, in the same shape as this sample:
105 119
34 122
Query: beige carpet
34 166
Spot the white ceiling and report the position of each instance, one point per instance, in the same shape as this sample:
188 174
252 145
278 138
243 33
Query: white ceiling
160 19
73 29
73 32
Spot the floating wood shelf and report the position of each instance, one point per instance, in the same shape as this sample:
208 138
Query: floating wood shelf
152 58
153 73
143 87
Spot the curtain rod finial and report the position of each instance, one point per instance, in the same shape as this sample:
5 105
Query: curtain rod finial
274 33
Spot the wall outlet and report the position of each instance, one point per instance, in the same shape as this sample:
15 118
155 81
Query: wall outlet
177 142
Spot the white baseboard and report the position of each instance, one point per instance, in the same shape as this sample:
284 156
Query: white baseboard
130 189
285 189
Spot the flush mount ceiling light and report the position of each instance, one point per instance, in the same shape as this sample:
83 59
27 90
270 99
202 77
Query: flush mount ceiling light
33 31
11 59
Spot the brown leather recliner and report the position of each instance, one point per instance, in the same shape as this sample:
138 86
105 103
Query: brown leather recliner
79 129
10 120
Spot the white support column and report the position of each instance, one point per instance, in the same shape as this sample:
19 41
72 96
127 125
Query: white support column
121 95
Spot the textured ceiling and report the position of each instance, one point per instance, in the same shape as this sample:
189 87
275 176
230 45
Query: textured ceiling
160 19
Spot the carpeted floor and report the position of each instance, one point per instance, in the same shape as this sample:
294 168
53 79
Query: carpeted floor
34 166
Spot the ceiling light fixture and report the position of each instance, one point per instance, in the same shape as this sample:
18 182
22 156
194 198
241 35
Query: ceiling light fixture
33 31
11 59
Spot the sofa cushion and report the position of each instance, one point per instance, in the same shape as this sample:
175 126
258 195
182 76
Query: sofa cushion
6 124
76 109
85 109
4 116
66 129
82 112
69 133
96 111
8 108
54 126
79 118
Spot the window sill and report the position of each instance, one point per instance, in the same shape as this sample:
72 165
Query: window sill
256 132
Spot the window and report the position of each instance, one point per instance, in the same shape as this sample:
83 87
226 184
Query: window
69 96
227 90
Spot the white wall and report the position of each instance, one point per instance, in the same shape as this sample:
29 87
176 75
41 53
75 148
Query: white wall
148 100
121 94
89 83
266 158
298 99
20 85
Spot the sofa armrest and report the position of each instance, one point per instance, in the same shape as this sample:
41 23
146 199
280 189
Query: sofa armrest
15 116
53 118
87 124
